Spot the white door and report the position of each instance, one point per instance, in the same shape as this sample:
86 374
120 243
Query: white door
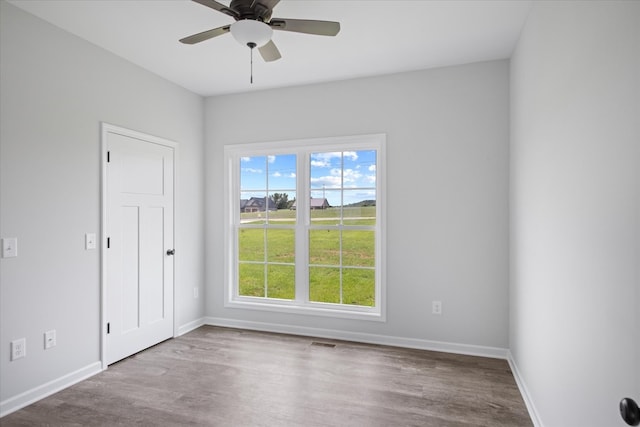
138 254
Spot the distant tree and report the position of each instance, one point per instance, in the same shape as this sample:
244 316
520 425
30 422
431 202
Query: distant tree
281 200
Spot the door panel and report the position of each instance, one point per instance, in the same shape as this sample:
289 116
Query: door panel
139 225
152 264
130 271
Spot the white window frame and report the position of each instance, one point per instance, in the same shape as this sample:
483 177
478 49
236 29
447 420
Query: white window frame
302 149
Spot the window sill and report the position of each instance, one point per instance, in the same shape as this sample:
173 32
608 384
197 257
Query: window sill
309 309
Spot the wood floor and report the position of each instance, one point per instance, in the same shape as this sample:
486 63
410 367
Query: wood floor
229 377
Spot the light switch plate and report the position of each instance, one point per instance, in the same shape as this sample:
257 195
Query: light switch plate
90 241
50 339
9 247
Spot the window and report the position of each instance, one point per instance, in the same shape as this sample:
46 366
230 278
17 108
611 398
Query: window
306 226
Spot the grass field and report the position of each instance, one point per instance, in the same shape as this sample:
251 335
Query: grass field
335 276
349 214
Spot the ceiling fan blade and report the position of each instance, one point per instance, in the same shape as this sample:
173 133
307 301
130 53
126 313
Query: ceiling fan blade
205 35
270 52
219 7
320 28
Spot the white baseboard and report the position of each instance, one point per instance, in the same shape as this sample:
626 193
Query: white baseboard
533 412
472 350
30 396
188 327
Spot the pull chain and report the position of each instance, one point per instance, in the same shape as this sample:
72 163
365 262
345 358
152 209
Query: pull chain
251 46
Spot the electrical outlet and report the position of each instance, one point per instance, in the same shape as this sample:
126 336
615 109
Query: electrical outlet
50 339
18 349
436 307
196 293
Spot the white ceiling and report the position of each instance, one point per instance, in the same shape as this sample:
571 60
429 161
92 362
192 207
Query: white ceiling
376 37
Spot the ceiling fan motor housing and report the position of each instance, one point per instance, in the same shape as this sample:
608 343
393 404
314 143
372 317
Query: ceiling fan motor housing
250 9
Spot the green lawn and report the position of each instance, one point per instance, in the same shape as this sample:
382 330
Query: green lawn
356 274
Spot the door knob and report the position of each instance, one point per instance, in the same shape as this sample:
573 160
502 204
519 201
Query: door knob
629 411
171 251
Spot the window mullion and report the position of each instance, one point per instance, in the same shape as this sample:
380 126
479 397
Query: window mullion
302 231
265 260
265 230
341 227
234 212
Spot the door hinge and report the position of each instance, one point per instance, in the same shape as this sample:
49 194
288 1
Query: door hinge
108 242
108 156
108 327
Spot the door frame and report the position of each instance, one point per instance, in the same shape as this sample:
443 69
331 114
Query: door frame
105 129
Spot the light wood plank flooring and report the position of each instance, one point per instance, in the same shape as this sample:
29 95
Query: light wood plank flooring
228 377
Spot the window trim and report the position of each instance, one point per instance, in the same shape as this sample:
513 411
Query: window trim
302 149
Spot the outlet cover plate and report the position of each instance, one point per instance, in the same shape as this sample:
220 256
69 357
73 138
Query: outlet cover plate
436 307
18 349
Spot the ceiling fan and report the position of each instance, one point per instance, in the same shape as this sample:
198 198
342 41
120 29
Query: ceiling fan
254 25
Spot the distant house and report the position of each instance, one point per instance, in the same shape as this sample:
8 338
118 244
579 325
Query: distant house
315 203
257 204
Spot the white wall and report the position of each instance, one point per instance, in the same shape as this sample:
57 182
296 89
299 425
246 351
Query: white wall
447 192
575 210
55 90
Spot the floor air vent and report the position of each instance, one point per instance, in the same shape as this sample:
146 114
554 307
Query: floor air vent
323 344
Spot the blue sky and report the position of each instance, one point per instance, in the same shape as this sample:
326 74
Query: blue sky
357 175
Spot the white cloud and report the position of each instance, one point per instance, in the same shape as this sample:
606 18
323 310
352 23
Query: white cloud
336 176
327 181
252 170
351 175
352 178
270 159
278 174
323 160
372 168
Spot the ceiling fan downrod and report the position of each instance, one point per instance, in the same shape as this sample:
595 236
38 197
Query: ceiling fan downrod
251 47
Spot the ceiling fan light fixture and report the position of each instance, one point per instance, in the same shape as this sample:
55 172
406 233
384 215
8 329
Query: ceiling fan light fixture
249 31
